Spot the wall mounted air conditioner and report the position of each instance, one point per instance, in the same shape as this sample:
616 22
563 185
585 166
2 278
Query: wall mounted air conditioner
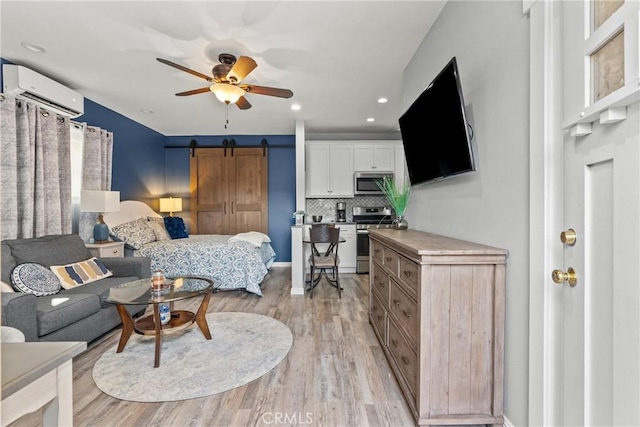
47 93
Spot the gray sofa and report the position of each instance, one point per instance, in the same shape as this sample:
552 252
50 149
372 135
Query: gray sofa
78 314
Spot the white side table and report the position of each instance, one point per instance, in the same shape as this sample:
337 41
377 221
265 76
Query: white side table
35 375
110 249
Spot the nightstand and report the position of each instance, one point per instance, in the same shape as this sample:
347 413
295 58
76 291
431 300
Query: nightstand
110 249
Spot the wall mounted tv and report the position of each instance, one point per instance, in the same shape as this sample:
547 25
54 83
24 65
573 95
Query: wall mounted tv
435 132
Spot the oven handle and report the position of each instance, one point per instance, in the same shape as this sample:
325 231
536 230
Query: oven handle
362 231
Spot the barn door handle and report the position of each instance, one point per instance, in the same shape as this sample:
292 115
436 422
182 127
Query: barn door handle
225 208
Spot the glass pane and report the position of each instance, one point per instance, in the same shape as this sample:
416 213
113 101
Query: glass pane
603 9
608 67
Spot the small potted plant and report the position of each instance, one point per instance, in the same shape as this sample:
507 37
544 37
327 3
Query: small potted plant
299 217
398 199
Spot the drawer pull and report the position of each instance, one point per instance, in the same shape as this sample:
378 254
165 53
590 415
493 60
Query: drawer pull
388 259
404 360
407 273
394 342
115 251
380 318
396 302
406 313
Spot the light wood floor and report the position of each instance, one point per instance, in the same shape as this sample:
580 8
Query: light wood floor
334 375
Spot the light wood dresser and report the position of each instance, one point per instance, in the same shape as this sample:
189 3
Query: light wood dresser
437 307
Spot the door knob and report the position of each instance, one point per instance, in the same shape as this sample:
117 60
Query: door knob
570 276
568 237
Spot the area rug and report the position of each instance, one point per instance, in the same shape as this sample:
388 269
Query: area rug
243 347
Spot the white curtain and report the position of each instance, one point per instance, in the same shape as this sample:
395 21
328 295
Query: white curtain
96 171
34 171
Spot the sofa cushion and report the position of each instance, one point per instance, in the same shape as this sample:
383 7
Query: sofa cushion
101 288
81 273
49 250
33 278
57 311
134 234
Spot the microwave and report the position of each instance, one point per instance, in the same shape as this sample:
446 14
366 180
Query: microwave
365 183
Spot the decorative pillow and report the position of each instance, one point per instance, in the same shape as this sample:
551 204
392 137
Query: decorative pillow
175 227
134 234
33 278
157 225
5 287
80 273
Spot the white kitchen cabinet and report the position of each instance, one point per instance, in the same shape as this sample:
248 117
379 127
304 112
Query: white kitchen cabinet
377 157
346 249
329 170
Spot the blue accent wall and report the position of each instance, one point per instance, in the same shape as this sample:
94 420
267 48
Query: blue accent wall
282 184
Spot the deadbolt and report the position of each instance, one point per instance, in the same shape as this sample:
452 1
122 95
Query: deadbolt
568 237
560 276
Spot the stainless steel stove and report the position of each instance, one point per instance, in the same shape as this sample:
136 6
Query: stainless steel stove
367 218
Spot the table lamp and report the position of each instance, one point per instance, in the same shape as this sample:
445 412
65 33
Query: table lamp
170 204
101 202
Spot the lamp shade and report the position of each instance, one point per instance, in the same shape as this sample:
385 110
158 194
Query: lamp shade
229 94
170 204
99 201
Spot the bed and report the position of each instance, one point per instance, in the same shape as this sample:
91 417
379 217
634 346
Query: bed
232 261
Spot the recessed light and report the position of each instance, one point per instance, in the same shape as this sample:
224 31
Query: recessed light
295 107
382 100
33 47
371 119
146 111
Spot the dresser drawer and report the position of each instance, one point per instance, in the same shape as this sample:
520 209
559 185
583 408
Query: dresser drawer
410 274
376 250
378 317
405 311
390 260
404 356
380 282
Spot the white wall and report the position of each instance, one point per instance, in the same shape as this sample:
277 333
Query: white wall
490 40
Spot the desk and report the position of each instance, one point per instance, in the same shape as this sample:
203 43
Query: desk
36 375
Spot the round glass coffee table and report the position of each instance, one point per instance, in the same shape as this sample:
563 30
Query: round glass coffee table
175 289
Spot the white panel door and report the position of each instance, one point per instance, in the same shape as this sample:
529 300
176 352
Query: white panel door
599 376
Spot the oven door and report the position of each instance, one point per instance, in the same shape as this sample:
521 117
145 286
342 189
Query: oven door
362 251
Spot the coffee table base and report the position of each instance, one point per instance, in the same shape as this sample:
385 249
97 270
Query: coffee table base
151 325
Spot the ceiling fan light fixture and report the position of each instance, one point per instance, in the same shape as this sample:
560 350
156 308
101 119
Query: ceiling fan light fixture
227 93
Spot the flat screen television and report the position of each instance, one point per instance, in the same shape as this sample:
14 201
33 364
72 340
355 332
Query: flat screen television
435 132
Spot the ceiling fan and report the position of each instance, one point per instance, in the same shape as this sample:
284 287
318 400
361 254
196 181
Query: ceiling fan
225 82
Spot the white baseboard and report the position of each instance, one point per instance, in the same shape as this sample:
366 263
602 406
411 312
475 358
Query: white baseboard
507 422
281 264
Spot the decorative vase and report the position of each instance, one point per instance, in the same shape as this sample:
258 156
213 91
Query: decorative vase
399 223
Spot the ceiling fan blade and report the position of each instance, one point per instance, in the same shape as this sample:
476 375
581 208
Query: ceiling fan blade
188 70
265 90
242 103
194 91
241 69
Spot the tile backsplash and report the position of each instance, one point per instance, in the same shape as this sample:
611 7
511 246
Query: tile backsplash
327 207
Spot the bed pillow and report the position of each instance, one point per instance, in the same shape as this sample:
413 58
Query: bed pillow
254 237
157 225
80 273
175 227
134 234
36 279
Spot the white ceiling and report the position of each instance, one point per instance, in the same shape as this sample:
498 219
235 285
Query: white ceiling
338 58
